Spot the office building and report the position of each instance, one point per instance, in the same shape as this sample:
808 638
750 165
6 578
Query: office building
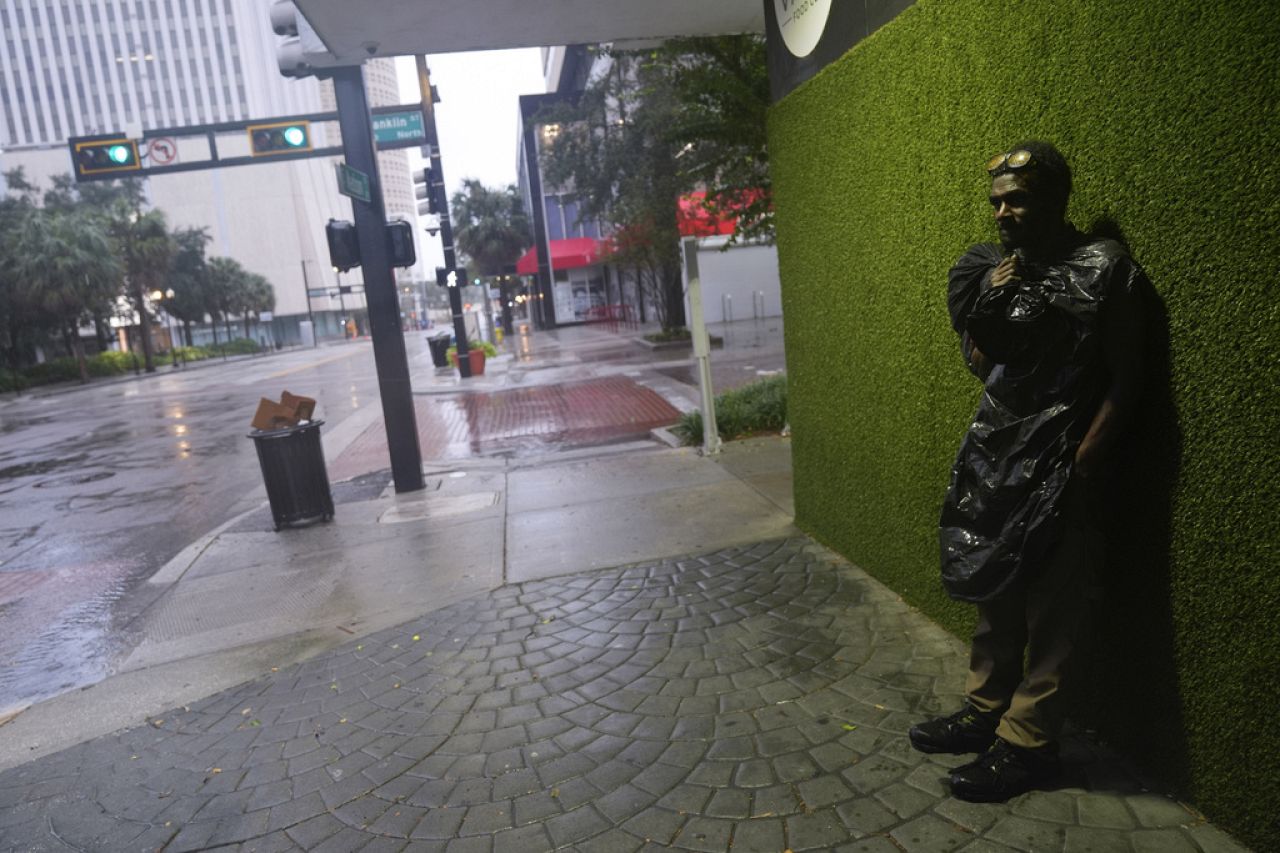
74 69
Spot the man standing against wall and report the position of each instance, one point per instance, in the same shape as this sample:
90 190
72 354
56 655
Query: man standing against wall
1053 328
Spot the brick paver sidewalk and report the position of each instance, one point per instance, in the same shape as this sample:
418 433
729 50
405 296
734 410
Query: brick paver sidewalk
539 418
753 699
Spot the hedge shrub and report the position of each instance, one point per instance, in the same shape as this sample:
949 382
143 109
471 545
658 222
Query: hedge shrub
759 407
113 363
1167 111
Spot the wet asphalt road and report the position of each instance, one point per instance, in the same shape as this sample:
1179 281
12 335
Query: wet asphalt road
100 487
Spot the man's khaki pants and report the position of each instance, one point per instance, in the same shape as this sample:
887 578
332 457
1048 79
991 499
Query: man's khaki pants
1040 617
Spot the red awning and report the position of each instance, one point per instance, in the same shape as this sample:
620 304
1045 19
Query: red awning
565 255
695 220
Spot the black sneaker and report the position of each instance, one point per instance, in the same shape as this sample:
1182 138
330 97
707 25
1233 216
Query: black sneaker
1003 772
967 730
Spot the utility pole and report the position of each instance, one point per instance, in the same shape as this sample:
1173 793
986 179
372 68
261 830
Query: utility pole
446 228
379 284
306 285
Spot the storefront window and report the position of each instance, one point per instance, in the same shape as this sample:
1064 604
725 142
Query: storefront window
577 293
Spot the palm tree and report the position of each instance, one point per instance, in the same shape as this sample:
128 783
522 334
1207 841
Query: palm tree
189 277
17 317
257 295
228 292
64 262
490 226
145 248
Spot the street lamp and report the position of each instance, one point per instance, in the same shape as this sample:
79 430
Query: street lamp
165 298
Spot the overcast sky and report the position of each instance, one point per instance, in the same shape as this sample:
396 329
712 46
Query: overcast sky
478 116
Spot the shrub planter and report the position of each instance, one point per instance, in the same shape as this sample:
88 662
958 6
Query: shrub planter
477 361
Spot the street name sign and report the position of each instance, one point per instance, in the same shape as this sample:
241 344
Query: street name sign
353 183
399 127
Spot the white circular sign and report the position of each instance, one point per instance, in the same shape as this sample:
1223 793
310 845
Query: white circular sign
801 23
162 151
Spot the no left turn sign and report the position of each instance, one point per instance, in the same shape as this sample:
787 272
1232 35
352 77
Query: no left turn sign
162 151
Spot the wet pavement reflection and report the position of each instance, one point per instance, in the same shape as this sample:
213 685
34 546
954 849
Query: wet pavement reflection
101 486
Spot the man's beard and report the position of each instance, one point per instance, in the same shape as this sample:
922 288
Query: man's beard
1012 238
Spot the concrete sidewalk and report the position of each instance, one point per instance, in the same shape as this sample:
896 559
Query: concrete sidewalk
611 649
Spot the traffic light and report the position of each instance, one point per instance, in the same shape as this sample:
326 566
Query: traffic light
400 244
344 245
279 137
302 53
446 277
424 187
291 55
103 156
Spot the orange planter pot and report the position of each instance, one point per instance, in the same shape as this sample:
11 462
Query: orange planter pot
477 361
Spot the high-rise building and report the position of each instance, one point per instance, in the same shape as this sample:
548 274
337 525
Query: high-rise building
79 68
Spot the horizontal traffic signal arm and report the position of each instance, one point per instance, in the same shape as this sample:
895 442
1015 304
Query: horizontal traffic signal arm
211 132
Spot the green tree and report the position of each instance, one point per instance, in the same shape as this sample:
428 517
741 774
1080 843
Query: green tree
146 249
720 86
256 295
64 262
188 278
657 125
224 276
109 203
615 154
17 315
142 242
491 228
231 289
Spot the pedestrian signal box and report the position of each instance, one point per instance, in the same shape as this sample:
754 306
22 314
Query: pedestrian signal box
279 138
344 245
400 244
104 156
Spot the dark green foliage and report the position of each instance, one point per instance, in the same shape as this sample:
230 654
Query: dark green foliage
490 226
11 381
490 351
113 363
721 88
239 346
750 410
1167 111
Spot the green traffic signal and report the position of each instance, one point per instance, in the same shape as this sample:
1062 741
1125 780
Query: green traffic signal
279 138
102 156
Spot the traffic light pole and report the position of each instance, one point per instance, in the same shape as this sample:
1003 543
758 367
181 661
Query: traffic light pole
379 285
446 229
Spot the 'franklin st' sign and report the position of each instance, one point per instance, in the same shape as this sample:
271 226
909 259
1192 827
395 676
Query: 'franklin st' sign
399 127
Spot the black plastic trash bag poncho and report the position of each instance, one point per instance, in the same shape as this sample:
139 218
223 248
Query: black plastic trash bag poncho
1002 513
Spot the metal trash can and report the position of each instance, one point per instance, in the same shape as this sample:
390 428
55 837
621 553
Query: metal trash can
292 461
439 344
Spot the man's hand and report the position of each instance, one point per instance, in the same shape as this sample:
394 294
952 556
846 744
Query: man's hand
1087 459
1006 271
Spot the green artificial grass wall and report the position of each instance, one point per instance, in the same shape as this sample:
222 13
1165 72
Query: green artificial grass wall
1167 111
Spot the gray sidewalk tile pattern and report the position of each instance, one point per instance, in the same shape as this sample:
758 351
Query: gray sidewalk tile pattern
755 698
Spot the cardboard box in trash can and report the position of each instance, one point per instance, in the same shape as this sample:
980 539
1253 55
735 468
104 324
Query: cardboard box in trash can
288 412
303 407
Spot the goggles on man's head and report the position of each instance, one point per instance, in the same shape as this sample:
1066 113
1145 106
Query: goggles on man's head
1012 160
